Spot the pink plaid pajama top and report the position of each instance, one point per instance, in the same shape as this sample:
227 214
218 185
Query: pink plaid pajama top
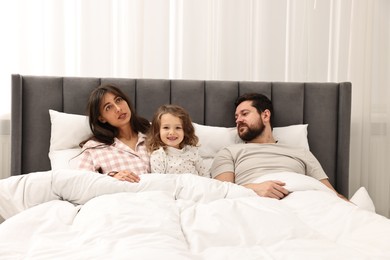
99 157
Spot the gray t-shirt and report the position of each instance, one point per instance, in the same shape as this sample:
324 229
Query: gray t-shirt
249 161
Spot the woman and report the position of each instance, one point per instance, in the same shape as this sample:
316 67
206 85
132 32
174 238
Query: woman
117 147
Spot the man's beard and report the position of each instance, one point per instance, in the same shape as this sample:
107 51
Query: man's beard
251 133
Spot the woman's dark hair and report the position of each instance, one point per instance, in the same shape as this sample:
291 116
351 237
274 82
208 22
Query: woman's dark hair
259 101
104 132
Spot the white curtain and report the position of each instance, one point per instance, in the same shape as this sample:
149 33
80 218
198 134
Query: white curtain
279 40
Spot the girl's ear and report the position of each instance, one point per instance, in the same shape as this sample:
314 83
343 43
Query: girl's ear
102 120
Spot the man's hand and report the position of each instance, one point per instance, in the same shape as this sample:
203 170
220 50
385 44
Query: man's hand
271 189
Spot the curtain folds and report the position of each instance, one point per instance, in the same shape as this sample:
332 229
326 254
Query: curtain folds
335 40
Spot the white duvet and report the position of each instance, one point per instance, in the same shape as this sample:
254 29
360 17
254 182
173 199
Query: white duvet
68 214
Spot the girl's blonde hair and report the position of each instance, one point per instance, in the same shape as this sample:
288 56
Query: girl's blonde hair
153 140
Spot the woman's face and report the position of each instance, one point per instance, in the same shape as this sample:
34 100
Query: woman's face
171 130
114 110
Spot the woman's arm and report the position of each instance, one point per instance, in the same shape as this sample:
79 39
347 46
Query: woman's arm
86 162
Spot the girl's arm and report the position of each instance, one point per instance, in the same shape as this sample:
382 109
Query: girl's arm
158 161
200 166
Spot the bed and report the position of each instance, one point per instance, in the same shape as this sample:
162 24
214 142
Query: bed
54 211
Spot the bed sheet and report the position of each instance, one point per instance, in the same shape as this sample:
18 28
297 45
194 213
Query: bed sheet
84 215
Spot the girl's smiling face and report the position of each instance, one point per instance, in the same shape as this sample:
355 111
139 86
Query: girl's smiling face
171 130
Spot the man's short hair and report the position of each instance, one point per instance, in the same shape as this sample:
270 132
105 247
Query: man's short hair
259 101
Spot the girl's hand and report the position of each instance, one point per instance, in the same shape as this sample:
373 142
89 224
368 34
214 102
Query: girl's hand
127 176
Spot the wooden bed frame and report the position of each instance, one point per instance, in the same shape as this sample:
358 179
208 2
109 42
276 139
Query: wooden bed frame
325 107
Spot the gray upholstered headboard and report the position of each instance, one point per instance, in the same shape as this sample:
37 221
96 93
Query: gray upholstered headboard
326 107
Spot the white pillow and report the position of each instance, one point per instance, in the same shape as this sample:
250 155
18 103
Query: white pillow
213 138
64 159
362 199
67 131
294 135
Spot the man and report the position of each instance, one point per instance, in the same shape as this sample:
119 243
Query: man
260 153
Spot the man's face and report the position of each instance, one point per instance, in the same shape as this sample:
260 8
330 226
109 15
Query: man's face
248 121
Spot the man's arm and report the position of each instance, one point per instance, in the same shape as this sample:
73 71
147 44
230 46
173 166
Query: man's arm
226 176
327 183
271 189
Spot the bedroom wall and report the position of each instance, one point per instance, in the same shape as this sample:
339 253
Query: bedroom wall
5 148
305 40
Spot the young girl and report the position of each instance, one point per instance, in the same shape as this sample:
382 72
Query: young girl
172 143
117 147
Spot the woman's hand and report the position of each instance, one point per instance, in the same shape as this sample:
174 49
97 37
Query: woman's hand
126 176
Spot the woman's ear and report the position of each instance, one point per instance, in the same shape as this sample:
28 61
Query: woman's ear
102 120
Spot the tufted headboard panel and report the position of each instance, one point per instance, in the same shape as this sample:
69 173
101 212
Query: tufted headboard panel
326 107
